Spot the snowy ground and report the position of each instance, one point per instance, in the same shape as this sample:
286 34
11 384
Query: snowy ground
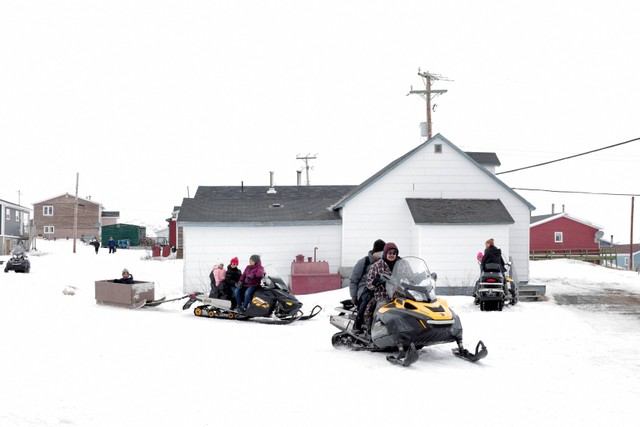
68 361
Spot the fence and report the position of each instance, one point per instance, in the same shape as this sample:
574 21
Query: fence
602 256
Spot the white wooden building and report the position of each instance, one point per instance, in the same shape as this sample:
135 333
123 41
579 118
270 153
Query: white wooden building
436 202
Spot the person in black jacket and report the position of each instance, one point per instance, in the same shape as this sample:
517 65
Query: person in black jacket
492 255
360 294
231 277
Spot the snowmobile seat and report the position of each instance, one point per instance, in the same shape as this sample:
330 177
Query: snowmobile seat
493 267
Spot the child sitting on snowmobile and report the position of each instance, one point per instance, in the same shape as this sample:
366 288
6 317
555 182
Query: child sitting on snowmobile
248 282
216 276
231 277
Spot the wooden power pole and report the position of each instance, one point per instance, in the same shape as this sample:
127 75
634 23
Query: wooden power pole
428 94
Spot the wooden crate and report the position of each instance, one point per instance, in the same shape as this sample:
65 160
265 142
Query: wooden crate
120 295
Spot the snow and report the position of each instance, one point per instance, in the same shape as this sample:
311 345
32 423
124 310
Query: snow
68 361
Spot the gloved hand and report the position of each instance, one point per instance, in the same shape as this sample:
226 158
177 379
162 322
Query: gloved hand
239 285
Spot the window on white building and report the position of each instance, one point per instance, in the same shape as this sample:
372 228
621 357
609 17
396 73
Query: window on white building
557 237
47 210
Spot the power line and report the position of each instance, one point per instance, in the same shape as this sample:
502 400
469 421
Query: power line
575 192
569 157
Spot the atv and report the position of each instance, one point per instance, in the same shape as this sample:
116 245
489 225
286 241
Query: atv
413 319
18 263
271 303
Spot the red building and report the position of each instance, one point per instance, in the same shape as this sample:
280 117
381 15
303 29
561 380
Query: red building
562 232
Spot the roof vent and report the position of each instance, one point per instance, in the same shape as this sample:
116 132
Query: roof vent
271 189
276 205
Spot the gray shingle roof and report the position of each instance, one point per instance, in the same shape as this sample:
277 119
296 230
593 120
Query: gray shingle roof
254 204
459 211
484 158
538 218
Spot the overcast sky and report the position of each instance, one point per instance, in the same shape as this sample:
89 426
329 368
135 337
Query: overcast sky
147 100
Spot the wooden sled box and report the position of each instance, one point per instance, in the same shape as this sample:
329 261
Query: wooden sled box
120 295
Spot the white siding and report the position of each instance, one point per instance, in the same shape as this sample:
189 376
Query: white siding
451 250
277 246
381 211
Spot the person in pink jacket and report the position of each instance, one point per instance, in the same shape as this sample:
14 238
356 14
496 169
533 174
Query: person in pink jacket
216 276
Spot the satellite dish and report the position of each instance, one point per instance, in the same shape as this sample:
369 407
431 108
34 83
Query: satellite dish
599 234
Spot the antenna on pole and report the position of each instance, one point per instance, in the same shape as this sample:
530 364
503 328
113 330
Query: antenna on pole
306 163
428 94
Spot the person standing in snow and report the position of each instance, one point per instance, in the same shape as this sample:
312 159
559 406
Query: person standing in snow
96 244
112 245
360 294
248 282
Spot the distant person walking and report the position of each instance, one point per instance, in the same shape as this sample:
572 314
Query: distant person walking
96 244
111 245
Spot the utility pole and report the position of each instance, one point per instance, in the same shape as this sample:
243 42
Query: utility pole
306 162
428 94
631 238
75 214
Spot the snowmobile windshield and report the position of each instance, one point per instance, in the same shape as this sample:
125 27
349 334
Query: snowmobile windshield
272 279
411 279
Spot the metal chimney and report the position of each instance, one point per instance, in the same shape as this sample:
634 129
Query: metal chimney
271 189
299 180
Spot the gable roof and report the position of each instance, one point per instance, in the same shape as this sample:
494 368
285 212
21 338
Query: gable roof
67 195
14 205
543 219
375 177
459 211
253 204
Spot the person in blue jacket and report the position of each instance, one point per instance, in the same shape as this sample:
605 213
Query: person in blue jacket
112 245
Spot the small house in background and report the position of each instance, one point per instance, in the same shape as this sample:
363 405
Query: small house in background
562 233
110 217
14 226
55 218
133 233
623 256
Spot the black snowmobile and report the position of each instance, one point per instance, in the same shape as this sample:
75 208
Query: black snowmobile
272 302
493 289
18 262
415 318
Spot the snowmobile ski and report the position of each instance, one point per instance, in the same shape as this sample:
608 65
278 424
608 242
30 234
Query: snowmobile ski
463 353
405 358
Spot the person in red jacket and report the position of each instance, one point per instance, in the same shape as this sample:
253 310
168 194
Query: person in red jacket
249 281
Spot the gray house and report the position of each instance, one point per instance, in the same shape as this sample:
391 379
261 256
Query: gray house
14 226
436 202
